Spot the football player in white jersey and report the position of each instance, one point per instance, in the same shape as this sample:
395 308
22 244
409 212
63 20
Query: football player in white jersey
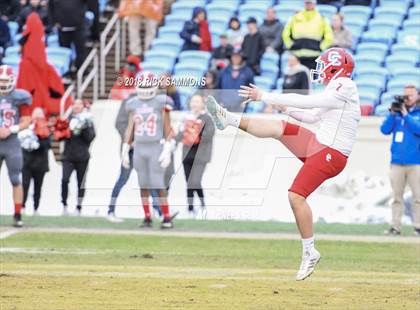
324 152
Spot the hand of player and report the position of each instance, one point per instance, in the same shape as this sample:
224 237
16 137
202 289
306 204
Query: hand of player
165 156
4 133
125 157
250 93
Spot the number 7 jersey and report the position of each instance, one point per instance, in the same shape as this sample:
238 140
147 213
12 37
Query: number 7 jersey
148 117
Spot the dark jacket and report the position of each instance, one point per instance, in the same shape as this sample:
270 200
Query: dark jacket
202 151
407 150
191 28
271 32
9 8
76 148
222 52
253 47
69 14
230 99
4 33
37 160
296 80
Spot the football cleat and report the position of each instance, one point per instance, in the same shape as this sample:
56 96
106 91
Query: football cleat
17 221
113 219
392 232
217 113
309 260
417 231
147 223
167 224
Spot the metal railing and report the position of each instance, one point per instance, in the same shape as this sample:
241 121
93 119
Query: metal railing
123 38
83 83
69 91
106 47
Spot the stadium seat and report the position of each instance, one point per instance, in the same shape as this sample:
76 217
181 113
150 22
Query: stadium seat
369 96
387 98
397 4
269 60
271 72
187 6
382 109
409 38
264 82
219 11
378 73
279 83
390 13
221 7
13 51
404 51
174 43
410 74
13 29
397 84
356 30
217 26
251 10
52 40
396 62
175 22
368 60
358 13
263 3
372 49
156 67
168 32
365 82
293 4
195 55
327 10
284 13
189 70
166 57
234 3
380 34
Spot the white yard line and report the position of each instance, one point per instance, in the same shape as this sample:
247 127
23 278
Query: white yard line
228 235
7 233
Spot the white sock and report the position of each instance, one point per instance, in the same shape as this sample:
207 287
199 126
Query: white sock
232 119
308 244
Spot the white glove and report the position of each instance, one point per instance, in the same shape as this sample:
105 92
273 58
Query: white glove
125 157
165 156
196 39
28 140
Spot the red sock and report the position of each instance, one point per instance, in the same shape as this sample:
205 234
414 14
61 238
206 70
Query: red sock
146 209
165 211
18 208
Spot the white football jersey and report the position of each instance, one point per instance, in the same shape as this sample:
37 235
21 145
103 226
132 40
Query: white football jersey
338 126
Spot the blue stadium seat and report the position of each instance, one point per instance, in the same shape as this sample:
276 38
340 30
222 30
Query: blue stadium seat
410 74
327 10
383 25
382 110
387 98
168 32
185 93
405 51
175 22
376 73
270 72
165 57
269 60
217 26
284 13
252 10
356 30
174 43
380 34
195 55
369 95
396 13
398 4
13 60
234 3
279 83
409 38
13 29
52 40
296 5
369 80
412 27
412 23
414 12
187 4
356 13
264 82
220 11
156 67
13 51
261 3
368 60
396 62
379 50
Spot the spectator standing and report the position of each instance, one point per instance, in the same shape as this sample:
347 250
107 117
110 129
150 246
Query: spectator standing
76 152
337 3
93 6
37 7
143 16
404 125
231 78
307 34
271 31
69 18
253 46
35 161
221 54
196 134
194 31
235 34
342 35
296 77
4 35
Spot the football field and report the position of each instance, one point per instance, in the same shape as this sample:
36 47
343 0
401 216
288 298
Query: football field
79 268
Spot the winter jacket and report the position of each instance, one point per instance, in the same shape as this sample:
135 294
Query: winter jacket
253 47
296 80
227 80
42 12
4 33
76 148
343 38
205 36
37 160
69 15
190 29
405 147
271 32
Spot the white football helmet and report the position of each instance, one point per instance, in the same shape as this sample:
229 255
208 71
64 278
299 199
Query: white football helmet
7 80
147 85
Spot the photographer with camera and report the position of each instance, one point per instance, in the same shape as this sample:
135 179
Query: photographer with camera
403 122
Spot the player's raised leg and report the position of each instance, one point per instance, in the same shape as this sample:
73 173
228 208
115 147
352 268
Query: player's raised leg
261 128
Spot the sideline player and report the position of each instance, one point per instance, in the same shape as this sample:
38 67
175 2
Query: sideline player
15 115
150 129
324 153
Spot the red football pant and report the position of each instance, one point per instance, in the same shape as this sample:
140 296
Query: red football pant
320 162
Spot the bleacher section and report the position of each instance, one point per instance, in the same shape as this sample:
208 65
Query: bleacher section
386 45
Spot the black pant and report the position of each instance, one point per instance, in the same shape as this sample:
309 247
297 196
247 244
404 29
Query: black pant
77 37
38 177
308 62
194 171
68 168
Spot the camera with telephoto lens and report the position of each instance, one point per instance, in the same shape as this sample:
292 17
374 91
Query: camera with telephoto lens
398 103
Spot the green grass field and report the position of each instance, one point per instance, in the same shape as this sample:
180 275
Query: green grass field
92 271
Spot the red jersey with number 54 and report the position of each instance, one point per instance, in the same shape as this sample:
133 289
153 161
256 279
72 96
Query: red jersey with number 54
148 117
13 106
